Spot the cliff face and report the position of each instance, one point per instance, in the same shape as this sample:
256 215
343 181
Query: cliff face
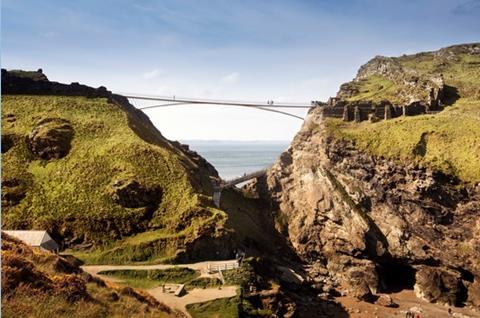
369 222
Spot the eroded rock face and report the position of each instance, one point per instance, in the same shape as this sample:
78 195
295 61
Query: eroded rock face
132 194
358 220
439 285
51 138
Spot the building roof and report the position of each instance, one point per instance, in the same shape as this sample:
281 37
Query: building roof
34 238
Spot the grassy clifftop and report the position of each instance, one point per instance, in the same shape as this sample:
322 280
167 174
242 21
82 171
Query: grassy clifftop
448 141
95 173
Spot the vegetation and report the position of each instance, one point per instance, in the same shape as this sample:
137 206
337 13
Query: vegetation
375 88
155 277
204 282
241 276
71 196
41 284
448 141
218 308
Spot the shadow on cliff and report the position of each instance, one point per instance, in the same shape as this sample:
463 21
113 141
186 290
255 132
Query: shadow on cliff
450 95
254 226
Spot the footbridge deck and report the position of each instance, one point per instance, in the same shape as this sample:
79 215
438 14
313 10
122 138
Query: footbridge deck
225 184
230 183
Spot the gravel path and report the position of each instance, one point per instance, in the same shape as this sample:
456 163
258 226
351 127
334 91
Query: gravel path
196 295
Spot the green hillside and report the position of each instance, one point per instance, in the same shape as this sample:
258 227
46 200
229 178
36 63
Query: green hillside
449 140
110 185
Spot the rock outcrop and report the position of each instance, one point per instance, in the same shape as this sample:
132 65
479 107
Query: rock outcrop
388 87
132 194
372 225
50 138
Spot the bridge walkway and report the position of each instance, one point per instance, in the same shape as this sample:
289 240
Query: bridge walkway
225 184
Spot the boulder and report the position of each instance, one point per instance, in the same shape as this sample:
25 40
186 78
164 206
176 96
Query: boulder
438 285
50 138
386 301
362 281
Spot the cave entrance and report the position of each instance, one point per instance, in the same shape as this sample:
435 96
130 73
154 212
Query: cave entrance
395 277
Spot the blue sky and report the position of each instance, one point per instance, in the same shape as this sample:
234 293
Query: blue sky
249 50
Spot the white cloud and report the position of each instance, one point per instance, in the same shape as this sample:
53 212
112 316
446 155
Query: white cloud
152 74
231 78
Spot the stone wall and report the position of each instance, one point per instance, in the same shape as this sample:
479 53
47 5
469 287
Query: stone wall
366 110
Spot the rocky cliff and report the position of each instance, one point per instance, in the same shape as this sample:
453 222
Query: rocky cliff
378 214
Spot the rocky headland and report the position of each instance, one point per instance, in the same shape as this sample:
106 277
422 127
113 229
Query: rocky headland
382 214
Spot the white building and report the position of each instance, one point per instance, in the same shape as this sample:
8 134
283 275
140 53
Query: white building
35 239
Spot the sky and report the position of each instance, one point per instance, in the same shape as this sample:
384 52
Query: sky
253 50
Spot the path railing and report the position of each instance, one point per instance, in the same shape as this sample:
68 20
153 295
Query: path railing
217 268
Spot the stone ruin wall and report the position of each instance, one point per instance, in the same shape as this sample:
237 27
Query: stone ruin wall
366 110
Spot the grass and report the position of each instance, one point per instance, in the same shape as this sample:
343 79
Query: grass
71 193
240 276
461 72
218 308
28 304
449 146
204 282
154 278
448 141
375 88
33 285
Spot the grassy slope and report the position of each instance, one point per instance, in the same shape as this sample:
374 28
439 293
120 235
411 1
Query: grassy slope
28 299
218 308
155 277
452 137
72 192
375 88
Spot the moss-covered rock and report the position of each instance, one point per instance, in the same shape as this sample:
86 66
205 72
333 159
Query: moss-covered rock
50 138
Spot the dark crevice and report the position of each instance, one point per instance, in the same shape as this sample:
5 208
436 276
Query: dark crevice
395 276
466 274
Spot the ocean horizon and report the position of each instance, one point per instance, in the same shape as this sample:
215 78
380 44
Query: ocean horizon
233 158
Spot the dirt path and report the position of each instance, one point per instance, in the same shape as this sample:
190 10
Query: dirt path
201 266
196 295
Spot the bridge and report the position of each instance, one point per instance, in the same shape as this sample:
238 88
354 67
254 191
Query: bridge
271 106
225 184
168 101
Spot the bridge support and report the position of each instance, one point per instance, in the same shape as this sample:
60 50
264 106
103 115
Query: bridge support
217 193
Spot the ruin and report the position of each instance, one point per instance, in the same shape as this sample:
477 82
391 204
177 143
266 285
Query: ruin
367 110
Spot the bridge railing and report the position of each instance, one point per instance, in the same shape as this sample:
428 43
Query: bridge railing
173 98
253 175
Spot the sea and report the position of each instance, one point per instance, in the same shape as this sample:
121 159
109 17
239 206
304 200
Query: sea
235 158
